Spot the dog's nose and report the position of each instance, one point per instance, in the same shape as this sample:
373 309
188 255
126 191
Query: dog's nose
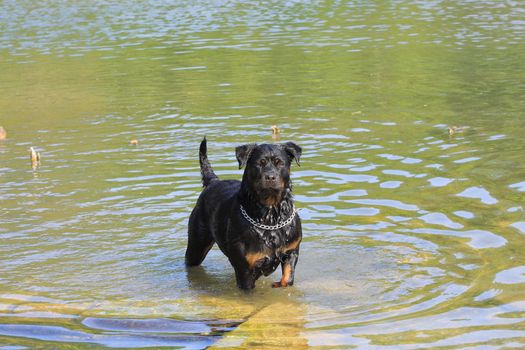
269 177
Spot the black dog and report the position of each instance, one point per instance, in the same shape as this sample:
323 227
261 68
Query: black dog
254 222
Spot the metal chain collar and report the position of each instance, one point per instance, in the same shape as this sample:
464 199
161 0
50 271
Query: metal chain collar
268 227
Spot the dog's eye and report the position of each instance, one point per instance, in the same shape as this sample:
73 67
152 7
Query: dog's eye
262 162
277 162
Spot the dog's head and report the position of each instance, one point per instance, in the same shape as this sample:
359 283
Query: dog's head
267 172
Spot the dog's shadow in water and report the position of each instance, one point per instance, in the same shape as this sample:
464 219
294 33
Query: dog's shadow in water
255 313
251 315
212 276
200 279
216 276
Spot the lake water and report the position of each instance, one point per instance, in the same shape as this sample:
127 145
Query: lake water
413 235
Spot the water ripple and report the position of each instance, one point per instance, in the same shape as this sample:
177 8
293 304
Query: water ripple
478 239
410 185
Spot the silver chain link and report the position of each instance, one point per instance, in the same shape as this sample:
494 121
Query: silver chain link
268 227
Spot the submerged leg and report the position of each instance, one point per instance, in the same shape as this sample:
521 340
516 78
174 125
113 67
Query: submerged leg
200 242
245 278
288 270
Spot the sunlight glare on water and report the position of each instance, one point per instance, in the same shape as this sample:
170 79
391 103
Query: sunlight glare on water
411 184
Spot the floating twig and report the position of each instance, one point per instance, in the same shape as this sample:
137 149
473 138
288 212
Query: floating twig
275 131
456 129
35 157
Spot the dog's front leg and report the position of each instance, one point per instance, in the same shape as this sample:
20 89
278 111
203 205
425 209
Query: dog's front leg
244 271
288 269
245 277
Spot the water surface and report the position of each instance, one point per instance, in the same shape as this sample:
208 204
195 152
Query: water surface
413 234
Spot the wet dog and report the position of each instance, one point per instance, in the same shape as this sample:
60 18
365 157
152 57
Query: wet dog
254 221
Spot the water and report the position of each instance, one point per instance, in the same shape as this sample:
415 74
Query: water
413 236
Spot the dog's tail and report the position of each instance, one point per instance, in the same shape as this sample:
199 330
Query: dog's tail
208 176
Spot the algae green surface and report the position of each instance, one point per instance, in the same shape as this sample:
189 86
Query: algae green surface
411 185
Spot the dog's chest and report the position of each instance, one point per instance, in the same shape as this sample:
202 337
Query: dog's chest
271 248
266 255
273 240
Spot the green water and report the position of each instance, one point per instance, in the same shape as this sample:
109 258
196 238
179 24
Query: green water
413 236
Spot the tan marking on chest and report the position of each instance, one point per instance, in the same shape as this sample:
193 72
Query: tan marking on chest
290 246
253 257
272 201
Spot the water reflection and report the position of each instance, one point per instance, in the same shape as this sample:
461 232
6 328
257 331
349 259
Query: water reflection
413 233
61 334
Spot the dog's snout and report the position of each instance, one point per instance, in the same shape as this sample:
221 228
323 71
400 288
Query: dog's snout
270 177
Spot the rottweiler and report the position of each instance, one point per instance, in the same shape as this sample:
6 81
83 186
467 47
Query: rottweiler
254 221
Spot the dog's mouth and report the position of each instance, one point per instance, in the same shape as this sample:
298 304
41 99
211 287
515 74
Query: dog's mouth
272 187
272 182
270 193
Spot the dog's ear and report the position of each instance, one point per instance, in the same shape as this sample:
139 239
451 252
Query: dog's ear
293 151
243 153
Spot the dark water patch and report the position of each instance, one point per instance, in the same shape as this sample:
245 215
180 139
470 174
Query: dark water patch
126 333
157 326
62 334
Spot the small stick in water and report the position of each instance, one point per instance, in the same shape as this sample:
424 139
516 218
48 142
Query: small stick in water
456 129
35 157
275 131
